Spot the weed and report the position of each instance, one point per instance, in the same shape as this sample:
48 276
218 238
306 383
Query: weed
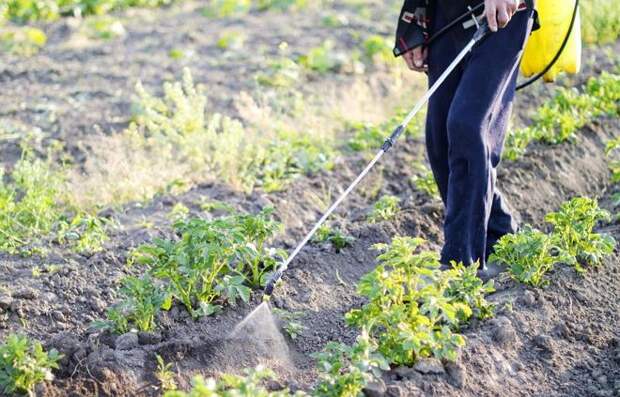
178 212
611 147
226 8
164 374
292 326
32 207
337 239
573 232
344 370
280 72
385 209
24 364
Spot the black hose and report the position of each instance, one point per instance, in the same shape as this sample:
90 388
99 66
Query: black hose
557 56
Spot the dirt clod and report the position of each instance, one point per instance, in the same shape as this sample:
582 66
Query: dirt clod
375 389
429 366
127 341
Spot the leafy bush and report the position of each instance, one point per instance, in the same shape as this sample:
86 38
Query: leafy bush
345 370
213 259
249 385
385 209
529 254
573 232
24 364
414 309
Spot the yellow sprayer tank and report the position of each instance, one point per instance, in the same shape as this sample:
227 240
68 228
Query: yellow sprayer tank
555 18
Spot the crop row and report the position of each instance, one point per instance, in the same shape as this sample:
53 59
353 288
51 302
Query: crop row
559 118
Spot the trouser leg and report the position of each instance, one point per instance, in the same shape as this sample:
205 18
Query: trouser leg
475 137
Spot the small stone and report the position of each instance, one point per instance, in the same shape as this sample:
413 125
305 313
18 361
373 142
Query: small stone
405 372
5 301
528 298
375 389
127 341
58 316
504 334
25 293
395 391
544 342
456 374
518 366
429 366
97 305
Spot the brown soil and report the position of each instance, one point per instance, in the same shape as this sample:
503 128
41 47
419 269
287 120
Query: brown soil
562 340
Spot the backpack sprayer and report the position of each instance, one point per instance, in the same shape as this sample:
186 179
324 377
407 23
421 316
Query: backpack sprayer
481 32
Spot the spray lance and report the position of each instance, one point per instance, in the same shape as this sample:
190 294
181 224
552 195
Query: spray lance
482 31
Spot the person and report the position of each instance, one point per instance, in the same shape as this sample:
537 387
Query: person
468 116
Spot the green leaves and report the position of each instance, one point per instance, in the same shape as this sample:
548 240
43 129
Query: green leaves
24 364
573 232
530 254
415 309
386 208
345 370
558 119
337 239
211 263
228 385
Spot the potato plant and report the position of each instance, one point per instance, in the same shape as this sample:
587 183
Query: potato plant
337 239
529 255
345 370
141 300
414 310
573 232
559 118
213 261
249 385
385 209
24 364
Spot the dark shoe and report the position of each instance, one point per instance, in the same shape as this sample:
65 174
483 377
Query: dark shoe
491 270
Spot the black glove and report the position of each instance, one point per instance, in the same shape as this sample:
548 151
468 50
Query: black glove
412 26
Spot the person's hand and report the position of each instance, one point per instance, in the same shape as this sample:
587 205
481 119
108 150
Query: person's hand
416 59
499 12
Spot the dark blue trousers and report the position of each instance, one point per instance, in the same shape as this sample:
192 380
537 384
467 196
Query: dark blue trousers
465 129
